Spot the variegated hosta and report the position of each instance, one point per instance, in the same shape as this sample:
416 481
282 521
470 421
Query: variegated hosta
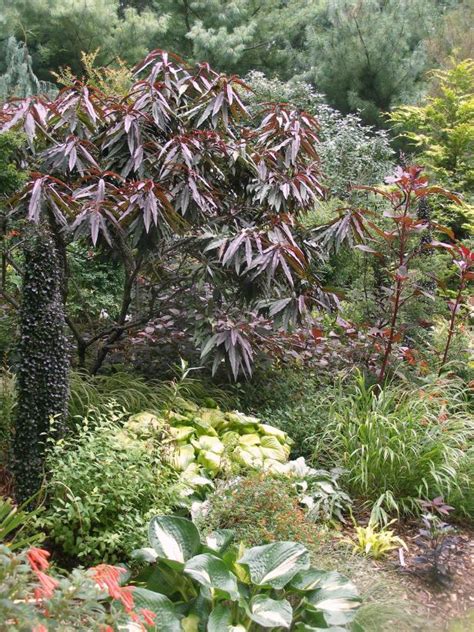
203 443
220 587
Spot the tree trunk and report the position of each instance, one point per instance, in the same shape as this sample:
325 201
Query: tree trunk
43 366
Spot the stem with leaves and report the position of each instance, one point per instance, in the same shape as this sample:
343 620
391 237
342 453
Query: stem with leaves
465 265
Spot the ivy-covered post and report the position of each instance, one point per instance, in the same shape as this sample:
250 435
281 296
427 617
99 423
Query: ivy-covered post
44 363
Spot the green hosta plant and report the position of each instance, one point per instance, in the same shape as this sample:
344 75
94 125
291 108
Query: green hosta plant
220 587
203 443
319 490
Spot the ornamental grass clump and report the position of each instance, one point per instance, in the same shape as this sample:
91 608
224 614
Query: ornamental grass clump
399 444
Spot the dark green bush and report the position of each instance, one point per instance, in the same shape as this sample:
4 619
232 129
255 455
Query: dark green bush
292 399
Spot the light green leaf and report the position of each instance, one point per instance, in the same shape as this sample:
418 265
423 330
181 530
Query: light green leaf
230 437
249 439
271 613
275 564
147 554
190 623
239 419
167 619
266 429
210 460
211 572
219 539
174 539
242 456
336 597
180 433
209 443
181 457
212 416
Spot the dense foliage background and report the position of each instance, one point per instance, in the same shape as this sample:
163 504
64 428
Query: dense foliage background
236 263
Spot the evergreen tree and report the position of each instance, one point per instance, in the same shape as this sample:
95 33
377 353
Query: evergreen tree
19 80
440 131
369 55
59 30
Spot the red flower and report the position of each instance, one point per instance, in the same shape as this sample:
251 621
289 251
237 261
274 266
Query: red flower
148 616
48 586
107 578
38 559
40 628
126 597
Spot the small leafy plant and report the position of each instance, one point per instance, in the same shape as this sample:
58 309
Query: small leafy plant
374 540
219 587
434 540
464 261
396 245
320 492
259 509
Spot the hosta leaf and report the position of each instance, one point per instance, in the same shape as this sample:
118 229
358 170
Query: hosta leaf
209 443
181 433
220 539
167 619
210 460
147 554
336 597
309 579
275 564
174 539
181 457
249 439
271 613
275 432
163 579
211 572
304 627
220 620
190 623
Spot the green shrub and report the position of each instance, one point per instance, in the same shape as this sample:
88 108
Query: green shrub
104 485
399 444
259 509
